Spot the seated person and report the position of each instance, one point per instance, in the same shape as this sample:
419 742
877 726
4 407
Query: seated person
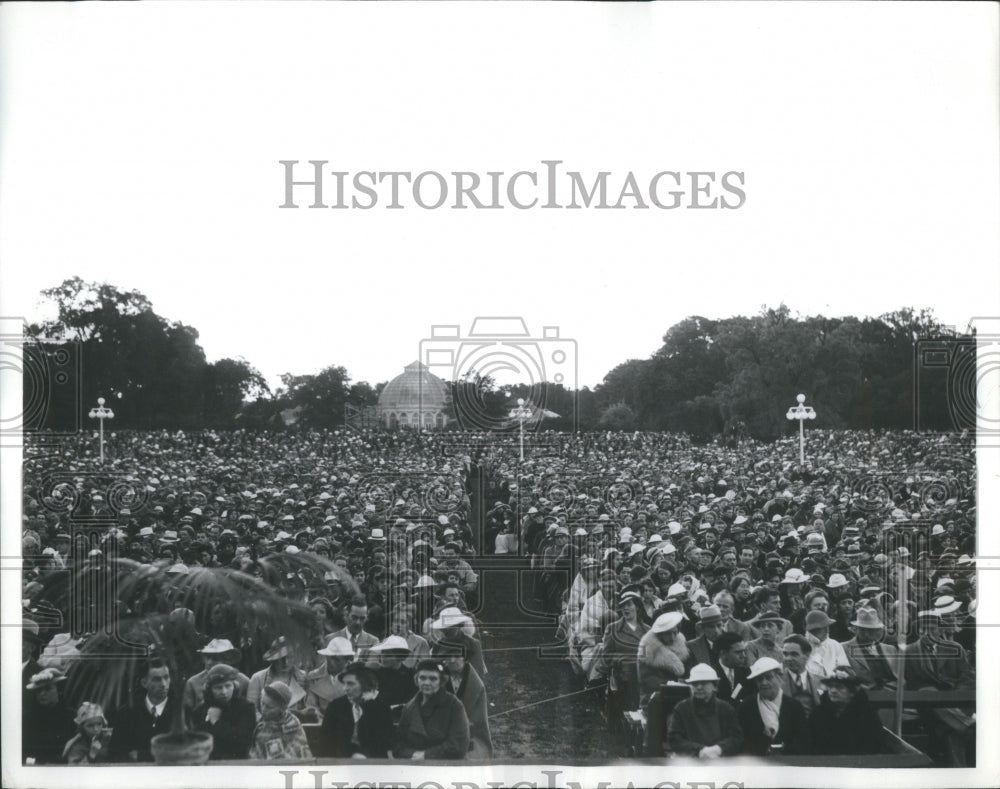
703 725
279 735
229 718
359 723
90 745
772 721
845 722
434 724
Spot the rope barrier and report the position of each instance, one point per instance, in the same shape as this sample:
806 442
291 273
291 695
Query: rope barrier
545 701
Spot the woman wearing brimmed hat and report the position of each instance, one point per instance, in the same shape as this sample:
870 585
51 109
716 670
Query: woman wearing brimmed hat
279 735
46 721
90 745
703 725
772 722
224 714
845 722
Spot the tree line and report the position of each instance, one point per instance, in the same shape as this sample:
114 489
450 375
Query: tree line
731 377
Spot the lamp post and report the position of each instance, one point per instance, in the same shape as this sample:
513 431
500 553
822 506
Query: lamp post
802 413
101 413
522 414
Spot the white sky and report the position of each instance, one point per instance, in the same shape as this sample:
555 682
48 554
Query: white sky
140 145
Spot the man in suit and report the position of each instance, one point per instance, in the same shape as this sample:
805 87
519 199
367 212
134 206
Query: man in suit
873 662
731 665
356 615
730 624
797 682
938 662
772 722
711 626
135 725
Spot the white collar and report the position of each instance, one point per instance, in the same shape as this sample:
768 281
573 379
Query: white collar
157 709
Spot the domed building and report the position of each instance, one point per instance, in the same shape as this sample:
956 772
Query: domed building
417 398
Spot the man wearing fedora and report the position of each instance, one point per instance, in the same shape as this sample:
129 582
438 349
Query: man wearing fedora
939 663
711 625
703 726
216 651
874 662
844 721
772 721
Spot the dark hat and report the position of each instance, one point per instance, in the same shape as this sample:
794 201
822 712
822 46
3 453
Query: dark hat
359 669
279 648
816 619
430 665
280 692
220 672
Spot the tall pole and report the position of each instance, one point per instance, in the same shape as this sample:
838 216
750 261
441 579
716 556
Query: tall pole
801 412
901 628
100 414
520 420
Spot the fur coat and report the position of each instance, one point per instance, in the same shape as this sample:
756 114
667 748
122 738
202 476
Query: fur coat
659 663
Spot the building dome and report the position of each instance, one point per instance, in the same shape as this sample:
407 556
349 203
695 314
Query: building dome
416 398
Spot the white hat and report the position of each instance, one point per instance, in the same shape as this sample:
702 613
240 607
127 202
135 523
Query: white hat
667 621
937 530
793 576
338 646
217 646
946 604
636 548
702 673
762 666
674 527
392 642
450 617
837 581
424 581
677 590
377 535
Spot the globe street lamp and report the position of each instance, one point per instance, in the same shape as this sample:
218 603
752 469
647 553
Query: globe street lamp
802 413
101 413
521 413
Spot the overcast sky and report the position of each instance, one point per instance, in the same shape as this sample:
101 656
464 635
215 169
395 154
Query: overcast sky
141 147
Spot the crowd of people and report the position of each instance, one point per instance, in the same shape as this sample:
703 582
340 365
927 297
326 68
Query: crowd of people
743 603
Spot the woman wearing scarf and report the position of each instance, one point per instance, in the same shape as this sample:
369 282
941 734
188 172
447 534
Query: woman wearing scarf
358 724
